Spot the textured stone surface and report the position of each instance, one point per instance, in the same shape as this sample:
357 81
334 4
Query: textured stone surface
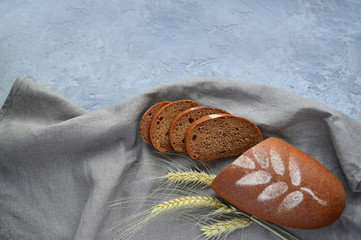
97 53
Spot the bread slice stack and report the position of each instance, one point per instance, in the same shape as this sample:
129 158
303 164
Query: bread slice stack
205 133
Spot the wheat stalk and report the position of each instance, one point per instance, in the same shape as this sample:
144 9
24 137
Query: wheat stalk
191 176
224 227
188 202
210 231
186 180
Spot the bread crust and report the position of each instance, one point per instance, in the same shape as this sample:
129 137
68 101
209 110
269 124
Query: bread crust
279 183
221 140
159 126
183 120
144 125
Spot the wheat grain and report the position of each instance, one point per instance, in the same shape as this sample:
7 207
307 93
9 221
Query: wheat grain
224 227
191 176
188 202
225 209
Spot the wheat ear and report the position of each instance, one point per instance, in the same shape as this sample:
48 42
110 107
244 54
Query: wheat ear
224 227
188 202
191 176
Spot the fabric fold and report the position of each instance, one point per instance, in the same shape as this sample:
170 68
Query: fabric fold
60 166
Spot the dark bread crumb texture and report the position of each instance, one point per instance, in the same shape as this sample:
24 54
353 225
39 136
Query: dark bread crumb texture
183 120
221 135
146 119
159 127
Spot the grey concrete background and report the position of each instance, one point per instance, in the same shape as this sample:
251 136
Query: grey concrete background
96 53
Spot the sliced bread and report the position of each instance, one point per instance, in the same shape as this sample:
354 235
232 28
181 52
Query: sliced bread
159 126
221 135
147 118
183 120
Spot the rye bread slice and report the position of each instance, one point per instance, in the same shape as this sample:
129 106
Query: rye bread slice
221 135
183 120
146 119
159 127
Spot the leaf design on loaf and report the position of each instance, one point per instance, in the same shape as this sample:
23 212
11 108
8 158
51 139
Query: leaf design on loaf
264 176
292 200
245 162
255 178
272 191
277 162
261 157
295 173
309 191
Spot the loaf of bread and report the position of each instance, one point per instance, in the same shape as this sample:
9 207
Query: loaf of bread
146 119
183 120
159 126
220 135
279 183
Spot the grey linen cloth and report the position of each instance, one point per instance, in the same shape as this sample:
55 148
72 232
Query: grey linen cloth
60 166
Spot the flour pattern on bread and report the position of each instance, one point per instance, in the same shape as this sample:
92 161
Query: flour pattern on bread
277 182
279 188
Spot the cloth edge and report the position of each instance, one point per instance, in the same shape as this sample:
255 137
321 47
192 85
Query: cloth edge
11 96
